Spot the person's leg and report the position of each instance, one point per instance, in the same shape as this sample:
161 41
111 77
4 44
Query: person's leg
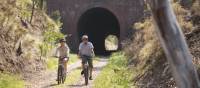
65 64
90 62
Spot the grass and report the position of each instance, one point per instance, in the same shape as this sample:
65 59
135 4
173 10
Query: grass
73 77
145 53
52 63
10 81
116 74
73 58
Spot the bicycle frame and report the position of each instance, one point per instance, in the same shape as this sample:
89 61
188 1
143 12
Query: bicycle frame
174 44
61 63
61 68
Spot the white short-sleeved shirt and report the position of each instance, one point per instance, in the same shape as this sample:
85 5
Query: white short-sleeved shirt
86 49
62 51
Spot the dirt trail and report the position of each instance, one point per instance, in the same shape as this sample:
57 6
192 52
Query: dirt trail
47 79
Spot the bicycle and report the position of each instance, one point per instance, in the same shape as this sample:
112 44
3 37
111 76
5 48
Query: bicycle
61 71
86 69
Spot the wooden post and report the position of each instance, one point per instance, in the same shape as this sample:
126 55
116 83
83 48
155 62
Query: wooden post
174 44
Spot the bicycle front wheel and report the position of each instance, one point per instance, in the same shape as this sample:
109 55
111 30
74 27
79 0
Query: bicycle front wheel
59 78
86 75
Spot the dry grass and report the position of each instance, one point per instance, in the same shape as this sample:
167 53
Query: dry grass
182 16
146 55
15 28
196 7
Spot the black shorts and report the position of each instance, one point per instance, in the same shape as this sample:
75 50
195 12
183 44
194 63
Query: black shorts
87 59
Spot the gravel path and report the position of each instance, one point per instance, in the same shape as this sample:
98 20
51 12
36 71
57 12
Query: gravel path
46 79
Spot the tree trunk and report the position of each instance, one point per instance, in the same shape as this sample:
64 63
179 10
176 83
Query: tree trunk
174 44
33 10
41 4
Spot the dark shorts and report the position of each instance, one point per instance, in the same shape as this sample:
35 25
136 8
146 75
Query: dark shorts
87 59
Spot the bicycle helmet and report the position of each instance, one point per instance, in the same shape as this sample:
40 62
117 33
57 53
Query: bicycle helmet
84 37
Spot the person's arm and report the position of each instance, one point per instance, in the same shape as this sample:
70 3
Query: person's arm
93 52
68 50
79 53
56 53
92 49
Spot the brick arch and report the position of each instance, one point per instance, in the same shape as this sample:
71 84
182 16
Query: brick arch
127 13
98 23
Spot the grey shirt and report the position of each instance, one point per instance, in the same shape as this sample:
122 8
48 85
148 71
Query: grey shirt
86 49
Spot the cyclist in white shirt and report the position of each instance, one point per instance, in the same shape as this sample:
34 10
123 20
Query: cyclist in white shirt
86 52
62 52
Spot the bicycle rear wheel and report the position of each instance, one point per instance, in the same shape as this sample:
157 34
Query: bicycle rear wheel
63 75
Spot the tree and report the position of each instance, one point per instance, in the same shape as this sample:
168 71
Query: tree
33 10
174 44
35 4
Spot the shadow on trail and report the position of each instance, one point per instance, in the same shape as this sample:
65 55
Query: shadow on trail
78 85
94 69
51 85
97 68
102 60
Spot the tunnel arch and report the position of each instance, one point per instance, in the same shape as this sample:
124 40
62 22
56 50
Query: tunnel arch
98 23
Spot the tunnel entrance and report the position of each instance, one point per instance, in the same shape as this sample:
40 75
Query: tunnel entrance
98 23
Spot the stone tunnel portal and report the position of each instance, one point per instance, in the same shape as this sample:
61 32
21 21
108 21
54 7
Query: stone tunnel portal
98 23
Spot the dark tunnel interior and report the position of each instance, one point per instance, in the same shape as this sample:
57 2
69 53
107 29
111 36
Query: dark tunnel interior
98 23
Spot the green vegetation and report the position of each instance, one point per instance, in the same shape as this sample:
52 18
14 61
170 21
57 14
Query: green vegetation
56 16
52 63
10 81
111 42
116 74
73 58
50 37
